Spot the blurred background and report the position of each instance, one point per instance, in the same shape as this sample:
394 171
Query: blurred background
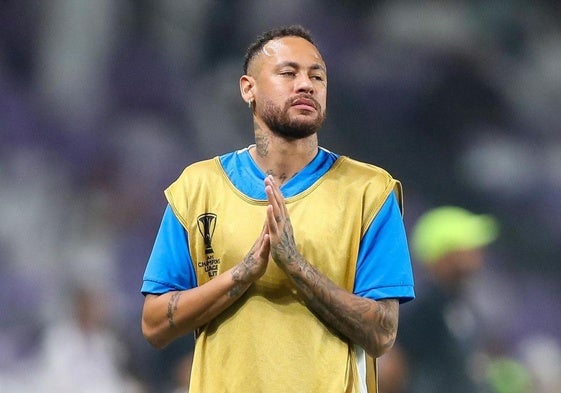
102 104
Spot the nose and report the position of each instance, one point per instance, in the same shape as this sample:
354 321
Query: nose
303 84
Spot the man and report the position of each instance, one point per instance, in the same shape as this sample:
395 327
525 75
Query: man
287 260
439 336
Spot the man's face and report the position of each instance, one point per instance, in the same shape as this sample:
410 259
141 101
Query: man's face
291 87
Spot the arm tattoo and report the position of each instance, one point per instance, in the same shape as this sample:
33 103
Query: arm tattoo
172 307
387 312
368 323
371 324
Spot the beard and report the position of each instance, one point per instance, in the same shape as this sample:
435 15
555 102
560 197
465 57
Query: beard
279 122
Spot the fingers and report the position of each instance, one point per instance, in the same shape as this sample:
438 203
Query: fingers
265 247
262 245
258 257
276 199
273 193
274 204
274 211
272 223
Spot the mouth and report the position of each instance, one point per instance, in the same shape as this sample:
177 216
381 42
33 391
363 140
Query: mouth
307 104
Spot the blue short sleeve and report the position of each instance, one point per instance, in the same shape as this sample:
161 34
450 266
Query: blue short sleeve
169 267
384 264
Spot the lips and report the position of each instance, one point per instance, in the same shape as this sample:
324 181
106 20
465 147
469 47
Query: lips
305 103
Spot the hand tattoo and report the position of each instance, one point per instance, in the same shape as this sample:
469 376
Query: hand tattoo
285 251
240 274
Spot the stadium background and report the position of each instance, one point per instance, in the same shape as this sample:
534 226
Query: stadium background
103 103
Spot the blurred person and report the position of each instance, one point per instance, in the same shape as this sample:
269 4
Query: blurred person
82 353
439 335
287 260
540 354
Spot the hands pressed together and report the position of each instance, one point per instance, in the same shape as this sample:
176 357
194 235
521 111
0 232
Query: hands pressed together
276 239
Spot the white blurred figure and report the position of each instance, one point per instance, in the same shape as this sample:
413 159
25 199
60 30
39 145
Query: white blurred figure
80 353
541 354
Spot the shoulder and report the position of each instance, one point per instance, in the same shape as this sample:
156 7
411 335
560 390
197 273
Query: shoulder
376 183
199 172
366 176
197 175
199 167
363 169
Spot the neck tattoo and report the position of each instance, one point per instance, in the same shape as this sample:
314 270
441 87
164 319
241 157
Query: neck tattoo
282 178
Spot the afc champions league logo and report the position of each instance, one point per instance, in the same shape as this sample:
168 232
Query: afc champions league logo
207 223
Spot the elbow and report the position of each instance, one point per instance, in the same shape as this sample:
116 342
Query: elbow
377 352
380 347
154 336
382 350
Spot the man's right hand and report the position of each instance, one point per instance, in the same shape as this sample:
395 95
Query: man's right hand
255 262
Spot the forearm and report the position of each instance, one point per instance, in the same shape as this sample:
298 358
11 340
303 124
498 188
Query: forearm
171 315
368 323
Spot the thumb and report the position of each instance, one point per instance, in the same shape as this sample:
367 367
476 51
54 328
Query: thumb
265 246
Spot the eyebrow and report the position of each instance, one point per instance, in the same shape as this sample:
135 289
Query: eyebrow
315 66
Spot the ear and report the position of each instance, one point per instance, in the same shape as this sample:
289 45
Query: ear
247 84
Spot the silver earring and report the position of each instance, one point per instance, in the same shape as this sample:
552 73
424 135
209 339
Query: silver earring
250 104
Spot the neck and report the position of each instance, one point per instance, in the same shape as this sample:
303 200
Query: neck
280 157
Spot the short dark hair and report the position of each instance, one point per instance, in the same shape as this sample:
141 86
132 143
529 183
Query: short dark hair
279 32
